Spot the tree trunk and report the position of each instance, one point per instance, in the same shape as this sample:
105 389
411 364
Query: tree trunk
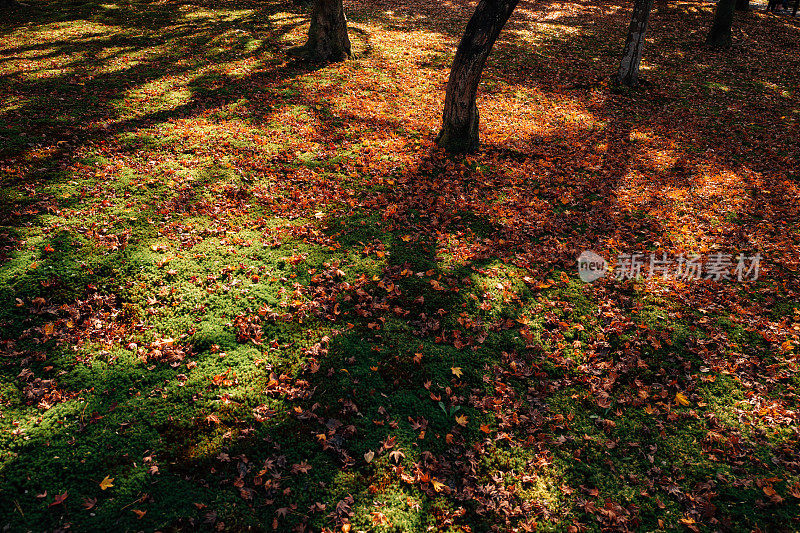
628 73
742 5
720 34
327 37
460 118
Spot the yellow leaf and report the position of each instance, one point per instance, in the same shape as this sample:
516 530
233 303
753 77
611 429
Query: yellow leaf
457 371
106 483
139 514
368 456
48 329
437 486
681 399
461 420
405 238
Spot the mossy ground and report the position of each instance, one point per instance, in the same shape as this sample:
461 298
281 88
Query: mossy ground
236 283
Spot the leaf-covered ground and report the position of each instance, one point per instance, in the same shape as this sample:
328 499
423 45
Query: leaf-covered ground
238 291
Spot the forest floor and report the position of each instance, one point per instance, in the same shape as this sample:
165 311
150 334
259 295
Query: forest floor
239 291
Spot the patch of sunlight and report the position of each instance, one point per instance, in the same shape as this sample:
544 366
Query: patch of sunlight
251 45
718 86
110 52
156 96
776 88
13 103
45 73
198 14
640 136
394 45
662 160
726 188
282 16
109 6
396 512
67 31
47 62
36 53
576 116
556 30
239 13
543 489
120 59
677 195
231 42
240 68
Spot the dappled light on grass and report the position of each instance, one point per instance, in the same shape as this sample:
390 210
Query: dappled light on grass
252 292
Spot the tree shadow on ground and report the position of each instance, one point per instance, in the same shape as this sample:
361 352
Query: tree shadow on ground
232 438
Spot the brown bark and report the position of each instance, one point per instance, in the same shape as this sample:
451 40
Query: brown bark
720 34
327 37
460 119
628 73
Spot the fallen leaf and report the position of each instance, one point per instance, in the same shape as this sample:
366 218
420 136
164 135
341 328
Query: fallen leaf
59 499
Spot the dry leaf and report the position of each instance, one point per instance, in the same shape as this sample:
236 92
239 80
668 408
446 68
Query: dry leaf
680 399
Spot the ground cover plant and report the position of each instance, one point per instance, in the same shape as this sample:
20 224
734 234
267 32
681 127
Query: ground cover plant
244 291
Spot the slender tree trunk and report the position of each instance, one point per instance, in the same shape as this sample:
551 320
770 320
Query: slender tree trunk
460 118
628 73
327 37
742 5
720 34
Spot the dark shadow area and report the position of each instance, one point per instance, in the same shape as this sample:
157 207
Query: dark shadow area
390 291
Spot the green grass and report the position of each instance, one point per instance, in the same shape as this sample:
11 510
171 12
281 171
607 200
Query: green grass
254 294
